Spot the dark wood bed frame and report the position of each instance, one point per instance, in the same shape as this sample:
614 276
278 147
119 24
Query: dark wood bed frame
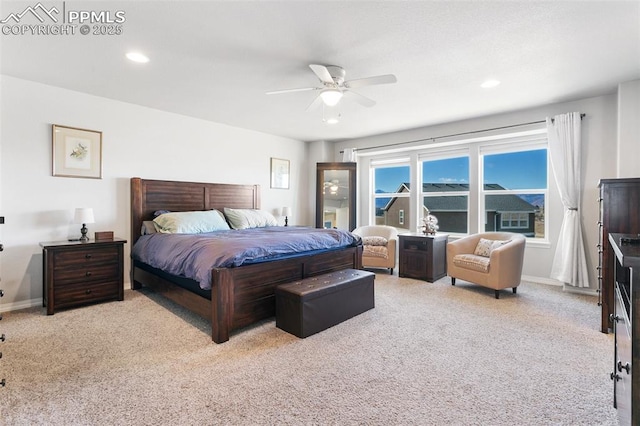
239 296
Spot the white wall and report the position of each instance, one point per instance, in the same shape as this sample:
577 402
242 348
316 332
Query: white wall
137 141
599 161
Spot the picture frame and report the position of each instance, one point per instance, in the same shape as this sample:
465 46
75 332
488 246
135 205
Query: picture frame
76 152
279 173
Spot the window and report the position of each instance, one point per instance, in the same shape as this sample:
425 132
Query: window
514 220
445 192
391 192
515 191
488 183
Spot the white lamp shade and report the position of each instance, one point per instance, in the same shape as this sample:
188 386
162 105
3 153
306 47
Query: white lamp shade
286 211
331 97
84 215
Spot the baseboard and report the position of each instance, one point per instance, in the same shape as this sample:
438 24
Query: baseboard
23 304
569 289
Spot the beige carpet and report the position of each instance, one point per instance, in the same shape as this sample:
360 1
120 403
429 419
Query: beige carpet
428 354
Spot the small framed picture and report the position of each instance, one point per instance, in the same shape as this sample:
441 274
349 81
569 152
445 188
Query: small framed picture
279 173
77 152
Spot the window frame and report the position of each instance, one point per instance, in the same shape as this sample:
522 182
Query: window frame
475 148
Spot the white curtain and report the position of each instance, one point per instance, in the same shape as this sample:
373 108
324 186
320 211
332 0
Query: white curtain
570 262
349 155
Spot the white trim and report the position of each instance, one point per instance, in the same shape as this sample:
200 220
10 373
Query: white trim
24 304
555 283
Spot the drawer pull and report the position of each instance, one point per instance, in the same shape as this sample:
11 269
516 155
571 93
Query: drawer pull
2 383
2 337
1 293
87 291
626 367
614 318
87 256
88 273
615 377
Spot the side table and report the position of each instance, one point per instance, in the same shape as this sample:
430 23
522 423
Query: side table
423 256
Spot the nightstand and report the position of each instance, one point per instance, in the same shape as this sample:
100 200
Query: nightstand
77 273
423 256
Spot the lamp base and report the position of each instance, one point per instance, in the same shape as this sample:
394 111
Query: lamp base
286 221
83 231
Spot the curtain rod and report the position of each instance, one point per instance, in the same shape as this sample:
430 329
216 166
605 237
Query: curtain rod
455 134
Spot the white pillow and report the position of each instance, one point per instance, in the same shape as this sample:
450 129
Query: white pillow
194 222
249 218
485 247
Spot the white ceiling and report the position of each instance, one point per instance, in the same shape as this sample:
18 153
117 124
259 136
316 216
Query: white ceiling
215 60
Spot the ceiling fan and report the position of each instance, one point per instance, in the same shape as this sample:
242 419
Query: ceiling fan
333 186
334 86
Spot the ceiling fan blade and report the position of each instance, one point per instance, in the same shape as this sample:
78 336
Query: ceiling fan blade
303 89
368 81
322 72
316 102
357 97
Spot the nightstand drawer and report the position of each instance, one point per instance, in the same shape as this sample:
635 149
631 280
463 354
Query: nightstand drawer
85 274
85 256
81 293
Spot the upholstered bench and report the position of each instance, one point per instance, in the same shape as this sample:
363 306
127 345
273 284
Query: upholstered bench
314 304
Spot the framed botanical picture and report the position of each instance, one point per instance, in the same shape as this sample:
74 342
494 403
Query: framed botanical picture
279 173
77 152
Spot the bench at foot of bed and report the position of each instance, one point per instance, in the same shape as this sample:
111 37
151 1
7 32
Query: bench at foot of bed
311 305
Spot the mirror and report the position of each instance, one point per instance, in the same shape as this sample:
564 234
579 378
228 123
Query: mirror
336 196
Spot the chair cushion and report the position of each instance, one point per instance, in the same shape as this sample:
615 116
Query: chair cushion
485 247
374 241
375 251
472 261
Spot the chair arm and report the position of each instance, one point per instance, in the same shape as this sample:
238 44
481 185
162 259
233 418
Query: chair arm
391 247
507 261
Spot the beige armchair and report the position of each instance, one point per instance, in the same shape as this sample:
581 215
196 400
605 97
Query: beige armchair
379 246
496 263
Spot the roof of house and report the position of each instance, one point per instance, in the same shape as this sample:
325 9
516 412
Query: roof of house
497 202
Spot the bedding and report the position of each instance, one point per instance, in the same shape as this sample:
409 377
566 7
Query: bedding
195 255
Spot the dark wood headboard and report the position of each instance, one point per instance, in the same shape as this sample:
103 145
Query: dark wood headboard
148 196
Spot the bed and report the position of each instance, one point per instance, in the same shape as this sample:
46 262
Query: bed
238 296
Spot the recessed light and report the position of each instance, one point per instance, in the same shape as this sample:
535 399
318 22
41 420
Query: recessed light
137 57
489 84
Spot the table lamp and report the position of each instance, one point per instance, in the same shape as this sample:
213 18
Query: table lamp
286 212
84 215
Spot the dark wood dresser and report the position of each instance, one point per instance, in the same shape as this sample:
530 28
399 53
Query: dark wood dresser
423 256
76 273
626 325
619 212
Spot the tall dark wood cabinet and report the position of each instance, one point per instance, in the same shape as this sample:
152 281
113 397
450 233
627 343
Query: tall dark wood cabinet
626 325
619 213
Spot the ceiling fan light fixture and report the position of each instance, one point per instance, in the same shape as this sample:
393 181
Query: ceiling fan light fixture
330 115
137 57
489 84
331 97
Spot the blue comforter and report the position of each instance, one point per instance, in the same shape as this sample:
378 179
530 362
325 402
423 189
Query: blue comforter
194 255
